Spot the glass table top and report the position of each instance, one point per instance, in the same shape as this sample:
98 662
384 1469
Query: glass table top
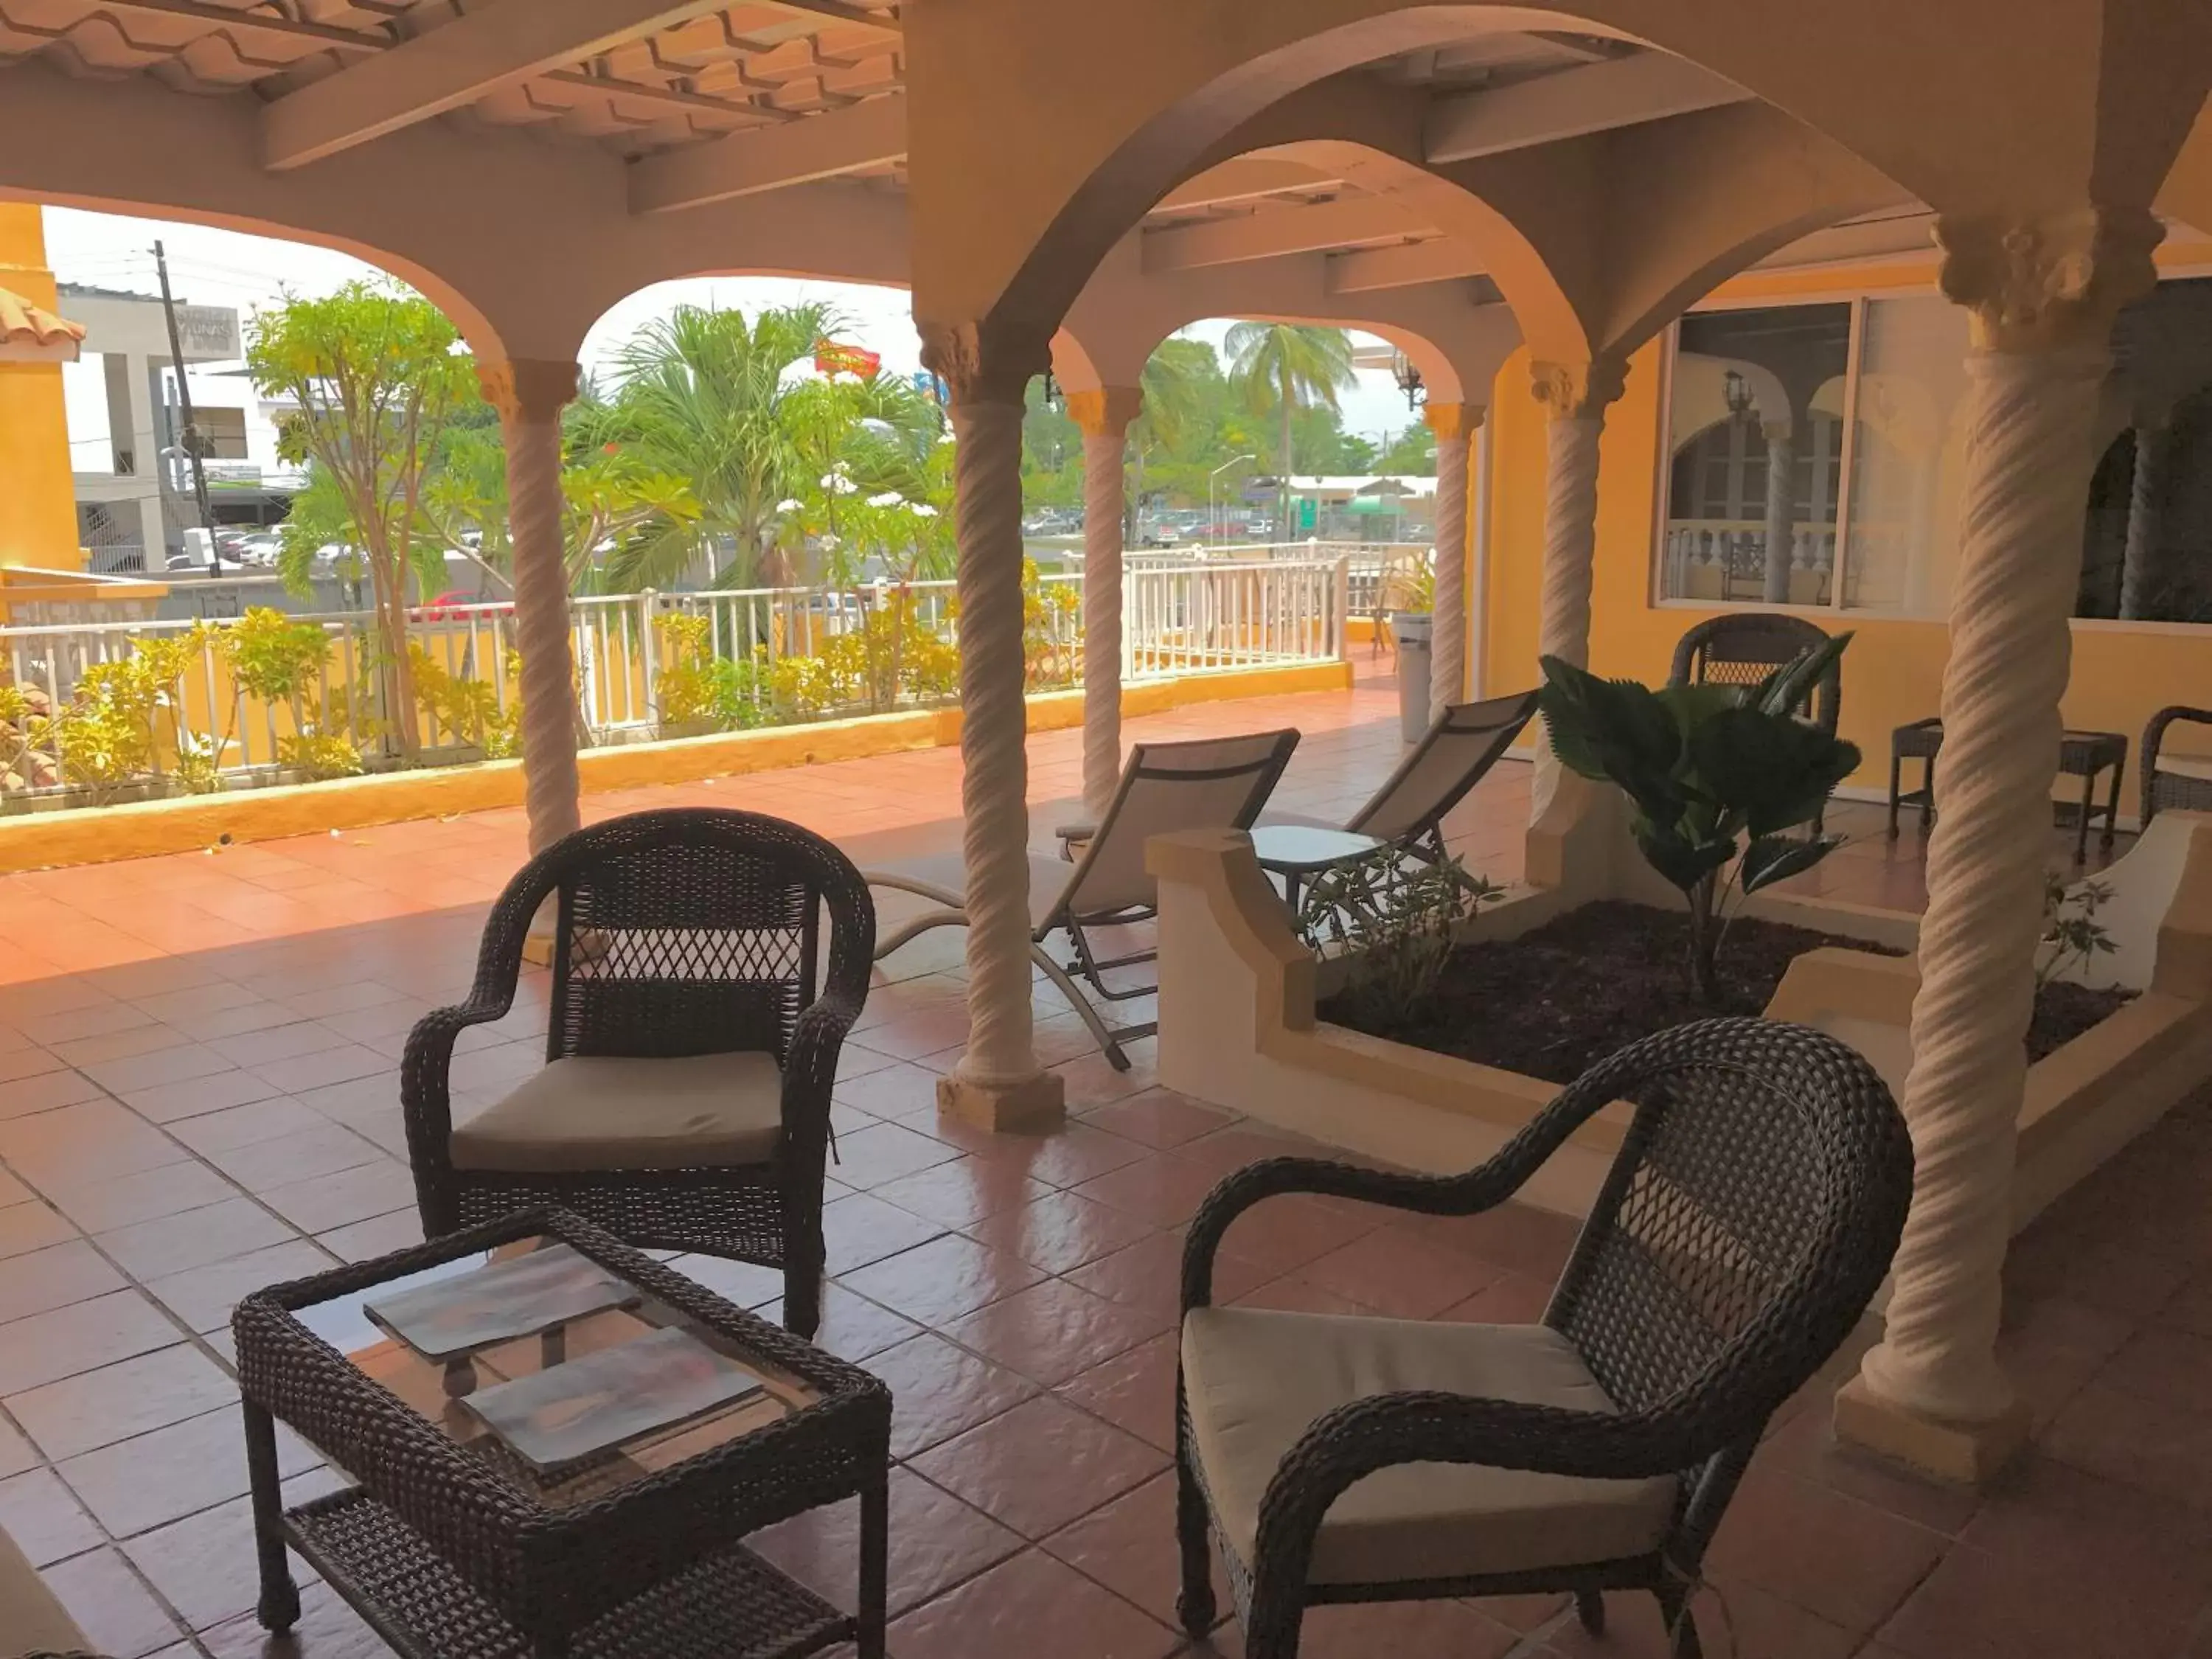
610 1396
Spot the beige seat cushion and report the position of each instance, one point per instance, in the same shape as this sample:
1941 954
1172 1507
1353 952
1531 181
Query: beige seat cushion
601 1112
1257 1381
2187 766
31 1620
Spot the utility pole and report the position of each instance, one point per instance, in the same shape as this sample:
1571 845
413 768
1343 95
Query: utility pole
184 404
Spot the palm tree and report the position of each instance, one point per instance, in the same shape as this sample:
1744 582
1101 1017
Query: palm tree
1282 368
702 398
1175 381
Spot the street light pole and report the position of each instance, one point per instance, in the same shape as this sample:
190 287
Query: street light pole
1213 514
192 433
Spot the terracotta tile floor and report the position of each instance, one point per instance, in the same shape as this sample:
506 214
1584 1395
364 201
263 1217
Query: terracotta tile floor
198 1096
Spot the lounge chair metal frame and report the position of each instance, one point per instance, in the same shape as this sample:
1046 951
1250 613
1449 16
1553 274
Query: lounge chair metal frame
1264 770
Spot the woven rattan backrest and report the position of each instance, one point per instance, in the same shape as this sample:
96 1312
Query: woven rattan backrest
1743 648
695 931
1748 1219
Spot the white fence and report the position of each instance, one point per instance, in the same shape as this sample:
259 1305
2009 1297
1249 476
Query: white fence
1181 616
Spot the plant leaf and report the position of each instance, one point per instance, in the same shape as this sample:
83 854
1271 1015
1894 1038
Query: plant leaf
1776 770
1615 730
1790 686
1684 863
1770 858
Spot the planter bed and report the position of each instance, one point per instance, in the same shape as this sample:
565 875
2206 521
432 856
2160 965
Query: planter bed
1553 999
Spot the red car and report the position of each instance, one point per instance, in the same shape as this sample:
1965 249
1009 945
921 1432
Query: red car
449 606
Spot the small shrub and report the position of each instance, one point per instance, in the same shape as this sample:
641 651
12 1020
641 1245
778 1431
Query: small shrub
465 707
2072 935
1396 919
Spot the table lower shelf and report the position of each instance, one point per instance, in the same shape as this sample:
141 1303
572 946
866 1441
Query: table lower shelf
733 1606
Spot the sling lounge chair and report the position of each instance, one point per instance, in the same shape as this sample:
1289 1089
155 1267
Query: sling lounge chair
1456 753
1213 783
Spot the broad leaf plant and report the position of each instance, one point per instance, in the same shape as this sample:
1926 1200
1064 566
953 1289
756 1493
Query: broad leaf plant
1717 778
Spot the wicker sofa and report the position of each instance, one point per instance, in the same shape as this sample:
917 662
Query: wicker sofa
32 1623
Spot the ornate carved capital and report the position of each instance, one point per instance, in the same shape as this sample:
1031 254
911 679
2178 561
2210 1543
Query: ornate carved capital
533 390
1450 421
1107 411
1579 391
2050 282
985 362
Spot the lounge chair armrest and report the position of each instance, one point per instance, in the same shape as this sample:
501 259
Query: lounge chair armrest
1356 1440
1466 1194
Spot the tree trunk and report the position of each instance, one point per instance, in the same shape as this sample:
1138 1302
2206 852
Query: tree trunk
1284 527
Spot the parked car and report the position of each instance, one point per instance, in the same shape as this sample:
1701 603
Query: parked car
455 604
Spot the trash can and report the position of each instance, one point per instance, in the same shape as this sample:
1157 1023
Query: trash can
1412 633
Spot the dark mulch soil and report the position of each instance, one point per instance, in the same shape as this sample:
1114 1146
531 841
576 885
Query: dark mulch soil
1549 1003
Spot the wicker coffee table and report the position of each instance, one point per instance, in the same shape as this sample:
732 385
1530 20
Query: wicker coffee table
453 1547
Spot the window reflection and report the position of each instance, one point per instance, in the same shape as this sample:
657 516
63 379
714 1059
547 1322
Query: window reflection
2147 546
1757 418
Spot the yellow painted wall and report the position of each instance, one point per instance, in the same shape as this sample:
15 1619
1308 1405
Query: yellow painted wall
2123 673
38 496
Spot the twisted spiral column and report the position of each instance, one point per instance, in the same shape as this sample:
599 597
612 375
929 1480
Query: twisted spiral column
994 785
1455 426
2020 562
1780 512
2042 297
2154 449
1104 416
1576 395
529 395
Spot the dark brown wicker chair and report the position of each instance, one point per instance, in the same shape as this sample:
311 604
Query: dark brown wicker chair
686 1103
1749 1218
1745 647
2180 780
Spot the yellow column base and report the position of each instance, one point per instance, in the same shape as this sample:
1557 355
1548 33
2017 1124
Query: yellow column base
1962 1454
538 948
1036 1103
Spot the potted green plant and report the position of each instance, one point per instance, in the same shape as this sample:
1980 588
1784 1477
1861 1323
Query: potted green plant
1703 767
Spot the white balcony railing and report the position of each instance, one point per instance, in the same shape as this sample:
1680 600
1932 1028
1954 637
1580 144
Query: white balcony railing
1181 616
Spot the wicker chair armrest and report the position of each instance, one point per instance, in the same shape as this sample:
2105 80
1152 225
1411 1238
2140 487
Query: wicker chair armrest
2155 733
1383 1431
810 1067
1464 1194
424 1097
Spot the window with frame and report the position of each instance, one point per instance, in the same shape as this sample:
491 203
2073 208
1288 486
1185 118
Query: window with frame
1873 402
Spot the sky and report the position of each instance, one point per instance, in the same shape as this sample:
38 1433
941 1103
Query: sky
222 267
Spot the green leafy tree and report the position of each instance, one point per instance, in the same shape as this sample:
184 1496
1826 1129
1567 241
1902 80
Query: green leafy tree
705 397
1279 369
375 375
1702 765
612 495
1412 451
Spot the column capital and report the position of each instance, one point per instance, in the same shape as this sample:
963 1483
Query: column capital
1579 391
1778 432
2048 282
528 388
1450 420
985 362
1105 412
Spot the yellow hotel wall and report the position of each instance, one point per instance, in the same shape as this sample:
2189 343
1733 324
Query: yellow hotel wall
38 495
2123 673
